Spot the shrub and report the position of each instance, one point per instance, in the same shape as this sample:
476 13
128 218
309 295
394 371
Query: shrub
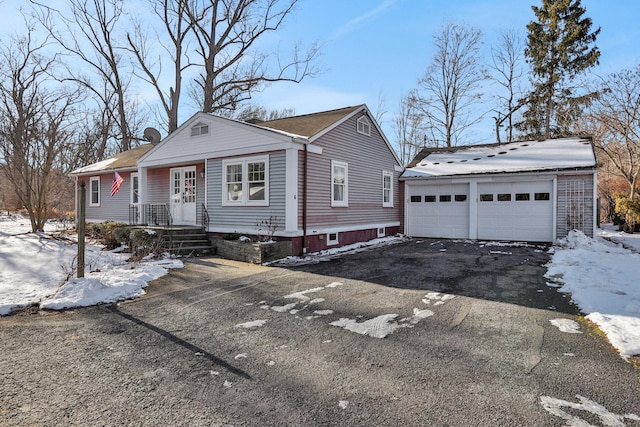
629 209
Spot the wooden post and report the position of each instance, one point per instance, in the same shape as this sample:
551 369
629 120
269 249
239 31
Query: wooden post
81 231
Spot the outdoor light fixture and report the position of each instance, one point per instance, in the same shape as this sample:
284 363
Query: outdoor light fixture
202 172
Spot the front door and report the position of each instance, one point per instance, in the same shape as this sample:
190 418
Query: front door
183 195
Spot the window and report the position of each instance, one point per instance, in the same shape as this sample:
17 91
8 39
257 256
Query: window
94 190
416 199
505 197
332 239
541 196
486 197
381 232
445 198
199 129
339 184
460 197
430 199
387 189
135 195
522 196
245 181
364 127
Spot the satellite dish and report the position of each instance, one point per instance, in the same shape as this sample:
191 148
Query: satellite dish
152 135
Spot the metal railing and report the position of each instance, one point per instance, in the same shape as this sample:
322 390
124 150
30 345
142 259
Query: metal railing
205 217
150 214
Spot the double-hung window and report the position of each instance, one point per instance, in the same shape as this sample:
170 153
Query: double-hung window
387 189
339 184
246 181
94 190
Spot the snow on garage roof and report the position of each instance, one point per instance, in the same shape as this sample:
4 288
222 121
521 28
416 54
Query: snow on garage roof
550 154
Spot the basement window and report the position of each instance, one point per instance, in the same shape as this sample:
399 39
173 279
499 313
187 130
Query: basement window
332 239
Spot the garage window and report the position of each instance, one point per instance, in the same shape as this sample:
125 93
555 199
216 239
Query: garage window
486 197
504 197
522 196
445 198
430 199
416 199
461 197
541 196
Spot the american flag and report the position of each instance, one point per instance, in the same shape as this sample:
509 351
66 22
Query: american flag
116 183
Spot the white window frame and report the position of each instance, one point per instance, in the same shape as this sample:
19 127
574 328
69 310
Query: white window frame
381 232
91 181
364 126
135 189
345 201
244 200
389 203
199 128
330 241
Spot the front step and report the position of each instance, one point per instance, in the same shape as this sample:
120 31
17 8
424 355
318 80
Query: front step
187 241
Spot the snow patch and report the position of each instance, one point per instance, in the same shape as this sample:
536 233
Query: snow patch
566 325
252 324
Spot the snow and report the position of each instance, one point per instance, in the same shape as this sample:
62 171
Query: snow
602 276
513 157
39 269
566 325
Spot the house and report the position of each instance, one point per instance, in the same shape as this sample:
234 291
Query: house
320 180
523 191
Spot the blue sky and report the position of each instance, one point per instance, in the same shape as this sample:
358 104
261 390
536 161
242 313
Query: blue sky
377 49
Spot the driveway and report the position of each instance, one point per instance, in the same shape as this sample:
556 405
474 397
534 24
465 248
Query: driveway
468 340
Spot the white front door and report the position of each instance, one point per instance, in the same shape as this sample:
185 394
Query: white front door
183 195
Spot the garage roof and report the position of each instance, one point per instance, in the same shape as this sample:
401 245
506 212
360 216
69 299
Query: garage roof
551 154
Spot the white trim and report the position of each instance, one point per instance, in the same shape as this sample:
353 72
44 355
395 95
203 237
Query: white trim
398 168
381 231
91 181
385 174
291 190
313 232
244 161
596 213
554 214
345 197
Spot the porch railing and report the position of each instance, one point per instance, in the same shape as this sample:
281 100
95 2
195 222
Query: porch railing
205 217
150 214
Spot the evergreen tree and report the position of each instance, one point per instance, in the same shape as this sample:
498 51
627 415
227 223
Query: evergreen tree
560 47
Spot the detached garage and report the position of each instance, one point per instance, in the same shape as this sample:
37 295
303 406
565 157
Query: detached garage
533 191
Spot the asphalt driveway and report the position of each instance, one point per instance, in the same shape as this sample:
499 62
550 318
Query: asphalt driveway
468 340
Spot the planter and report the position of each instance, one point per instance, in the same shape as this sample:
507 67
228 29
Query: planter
256 253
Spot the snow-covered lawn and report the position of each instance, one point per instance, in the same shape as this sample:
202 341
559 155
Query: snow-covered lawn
37 269
602 274
603 277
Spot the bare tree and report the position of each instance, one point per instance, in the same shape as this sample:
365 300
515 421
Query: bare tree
177 25
233 67
259 112
507 64
450 86
615 118
88 31
36 123
410 128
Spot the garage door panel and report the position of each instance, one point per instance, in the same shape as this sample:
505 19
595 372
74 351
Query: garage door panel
438 218
529 220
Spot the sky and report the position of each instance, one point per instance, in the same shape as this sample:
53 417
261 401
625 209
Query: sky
36 269
374 51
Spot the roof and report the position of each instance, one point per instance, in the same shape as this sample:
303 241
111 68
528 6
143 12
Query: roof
125 160
528 156
309 125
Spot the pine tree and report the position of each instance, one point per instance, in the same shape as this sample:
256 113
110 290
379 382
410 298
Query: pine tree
560 47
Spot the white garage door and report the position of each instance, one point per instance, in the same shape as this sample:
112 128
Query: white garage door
438 210
516 211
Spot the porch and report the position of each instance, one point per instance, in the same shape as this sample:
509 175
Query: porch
159 214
